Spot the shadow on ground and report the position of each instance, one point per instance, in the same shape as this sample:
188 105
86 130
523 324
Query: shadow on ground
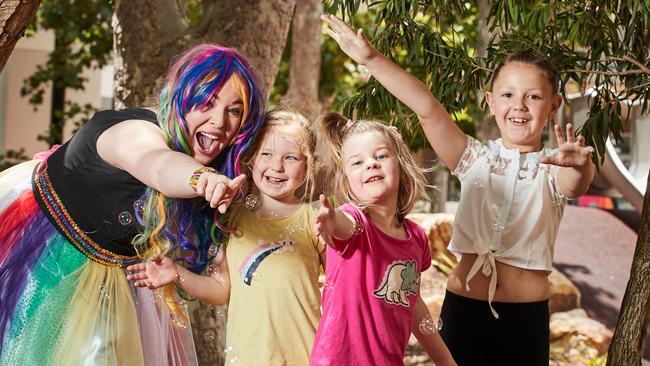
594 250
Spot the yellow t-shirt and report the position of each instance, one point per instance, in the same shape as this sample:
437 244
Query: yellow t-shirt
274 305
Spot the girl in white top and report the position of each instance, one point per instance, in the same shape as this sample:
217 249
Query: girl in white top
513 192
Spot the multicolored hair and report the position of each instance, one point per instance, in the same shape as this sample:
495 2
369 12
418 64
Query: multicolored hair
336 130
184 229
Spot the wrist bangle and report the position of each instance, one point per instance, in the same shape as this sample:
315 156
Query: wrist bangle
194 179
178 278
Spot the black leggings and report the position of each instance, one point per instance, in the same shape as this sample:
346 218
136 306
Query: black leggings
519 337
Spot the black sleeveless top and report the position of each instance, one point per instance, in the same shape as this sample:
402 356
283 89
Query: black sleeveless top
86 198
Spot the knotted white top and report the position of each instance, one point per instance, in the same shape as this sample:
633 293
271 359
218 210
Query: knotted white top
509 211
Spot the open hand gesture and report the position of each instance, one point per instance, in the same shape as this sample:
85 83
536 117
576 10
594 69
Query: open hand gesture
159 272
573 152
324 220
219 190
353 44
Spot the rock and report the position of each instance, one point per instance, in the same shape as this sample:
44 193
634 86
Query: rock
565 295
432 289
438 227
571 327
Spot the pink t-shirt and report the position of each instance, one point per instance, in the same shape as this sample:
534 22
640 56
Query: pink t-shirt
373 282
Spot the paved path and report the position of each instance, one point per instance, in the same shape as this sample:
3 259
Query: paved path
594 249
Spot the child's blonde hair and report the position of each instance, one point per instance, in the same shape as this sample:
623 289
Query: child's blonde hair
336 129
294 125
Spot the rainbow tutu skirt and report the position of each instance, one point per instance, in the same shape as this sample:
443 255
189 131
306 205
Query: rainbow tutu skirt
60 307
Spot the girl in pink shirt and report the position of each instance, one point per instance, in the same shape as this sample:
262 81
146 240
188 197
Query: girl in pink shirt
375 255
371 300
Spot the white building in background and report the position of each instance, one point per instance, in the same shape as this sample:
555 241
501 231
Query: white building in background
20 124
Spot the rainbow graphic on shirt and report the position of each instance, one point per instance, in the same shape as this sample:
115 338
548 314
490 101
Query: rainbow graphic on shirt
254 259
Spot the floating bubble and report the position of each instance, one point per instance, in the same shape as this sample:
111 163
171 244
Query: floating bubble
428 326
179 323
498 227
294 228
103 292
210 335
257 276
219 276
211 270
479 184
231 355
213 250
138 205
219 313
125 218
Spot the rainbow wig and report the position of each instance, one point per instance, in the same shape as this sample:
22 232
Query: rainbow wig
181 228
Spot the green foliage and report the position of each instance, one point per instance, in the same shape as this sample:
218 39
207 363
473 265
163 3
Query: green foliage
194 12
434 42
598 44
83 39
11 158
339 76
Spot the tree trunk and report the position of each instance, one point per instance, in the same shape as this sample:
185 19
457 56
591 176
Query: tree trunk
257 28
627 344
145 45
209 331
137 45
486 129
57 121
304 72
14 19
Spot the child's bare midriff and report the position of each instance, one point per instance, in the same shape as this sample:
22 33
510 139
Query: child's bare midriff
513 284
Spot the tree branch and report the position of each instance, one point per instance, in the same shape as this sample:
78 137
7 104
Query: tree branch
642 69
14 19
608 73
475 65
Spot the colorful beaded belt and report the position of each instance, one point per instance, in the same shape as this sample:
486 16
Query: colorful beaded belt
66 225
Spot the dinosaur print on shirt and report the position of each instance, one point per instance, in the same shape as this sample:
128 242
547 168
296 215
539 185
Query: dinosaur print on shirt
400 279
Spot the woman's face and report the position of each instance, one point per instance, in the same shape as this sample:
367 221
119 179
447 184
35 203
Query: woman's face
522 100
213 127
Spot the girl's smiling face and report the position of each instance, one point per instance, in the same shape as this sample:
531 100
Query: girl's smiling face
279 167
371 167
522 100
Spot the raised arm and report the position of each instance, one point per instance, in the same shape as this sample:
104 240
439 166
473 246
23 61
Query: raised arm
575 168
139 148
443 134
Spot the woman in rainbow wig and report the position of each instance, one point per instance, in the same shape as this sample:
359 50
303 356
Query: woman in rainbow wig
130 184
